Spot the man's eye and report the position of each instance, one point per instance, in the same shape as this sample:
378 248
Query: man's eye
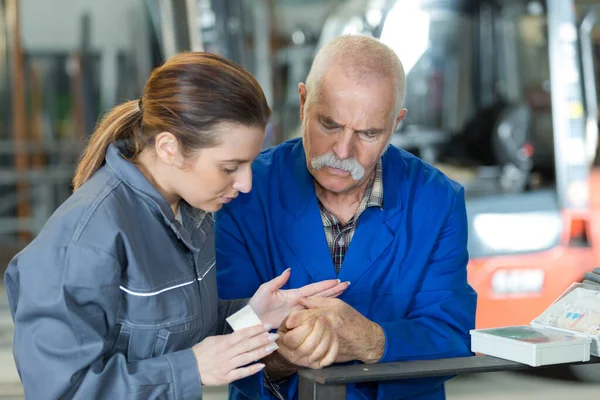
369 135
329 127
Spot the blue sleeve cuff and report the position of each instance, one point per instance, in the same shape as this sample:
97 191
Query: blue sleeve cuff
405 340
389 328
186 377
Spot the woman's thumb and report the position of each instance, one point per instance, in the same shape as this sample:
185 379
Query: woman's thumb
277 283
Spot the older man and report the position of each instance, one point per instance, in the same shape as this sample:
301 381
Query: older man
340 202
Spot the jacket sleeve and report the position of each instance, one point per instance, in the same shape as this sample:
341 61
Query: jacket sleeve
237 275
443 310
64 302
227 308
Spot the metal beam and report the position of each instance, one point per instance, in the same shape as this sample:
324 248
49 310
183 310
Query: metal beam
19 112
310 389
589 84
4 81
194 26
330 383
169 43
180 27
48 147
263 65
568 116
418 369
56 174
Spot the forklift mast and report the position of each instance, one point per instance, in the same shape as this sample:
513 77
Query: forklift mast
568 104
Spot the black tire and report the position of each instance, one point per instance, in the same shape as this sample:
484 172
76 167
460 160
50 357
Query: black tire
586 373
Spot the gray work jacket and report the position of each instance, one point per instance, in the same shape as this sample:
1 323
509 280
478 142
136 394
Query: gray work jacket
109 298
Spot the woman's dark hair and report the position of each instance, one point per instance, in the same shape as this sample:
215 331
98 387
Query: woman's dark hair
187 96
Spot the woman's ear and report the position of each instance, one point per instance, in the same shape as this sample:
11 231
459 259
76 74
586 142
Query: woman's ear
167 149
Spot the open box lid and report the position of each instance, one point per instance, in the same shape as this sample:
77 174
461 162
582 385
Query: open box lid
576 311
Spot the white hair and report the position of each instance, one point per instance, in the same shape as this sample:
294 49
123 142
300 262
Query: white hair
362 57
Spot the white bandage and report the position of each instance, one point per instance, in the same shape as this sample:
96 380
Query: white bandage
245 318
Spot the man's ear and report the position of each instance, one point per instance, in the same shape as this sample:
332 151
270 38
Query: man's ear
302 94
400 118
167 149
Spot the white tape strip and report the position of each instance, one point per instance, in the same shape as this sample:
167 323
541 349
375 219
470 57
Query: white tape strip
244 318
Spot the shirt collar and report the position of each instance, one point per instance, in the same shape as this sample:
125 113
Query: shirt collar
373 197
374 193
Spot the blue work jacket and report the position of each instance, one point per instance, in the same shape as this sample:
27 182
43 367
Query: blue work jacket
406 262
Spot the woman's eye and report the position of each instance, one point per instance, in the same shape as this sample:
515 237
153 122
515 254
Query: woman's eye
230 170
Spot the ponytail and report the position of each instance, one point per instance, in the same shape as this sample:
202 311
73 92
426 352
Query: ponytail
122 122
188 96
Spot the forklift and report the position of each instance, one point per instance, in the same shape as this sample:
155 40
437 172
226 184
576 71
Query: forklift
501 96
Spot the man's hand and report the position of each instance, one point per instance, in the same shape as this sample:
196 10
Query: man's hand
359 338
313 344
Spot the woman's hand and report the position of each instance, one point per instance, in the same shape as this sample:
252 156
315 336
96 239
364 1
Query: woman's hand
273 305
221 359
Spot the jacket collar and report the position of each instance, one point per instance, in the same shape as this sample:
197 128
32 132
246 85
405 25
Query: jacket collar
133 177
297 189
130 175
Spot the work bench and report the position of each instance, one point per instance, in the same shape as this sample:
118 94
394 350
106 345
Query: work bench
330 383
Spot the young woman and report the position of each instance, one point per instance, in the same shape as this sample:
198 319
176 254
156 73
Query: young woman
116 297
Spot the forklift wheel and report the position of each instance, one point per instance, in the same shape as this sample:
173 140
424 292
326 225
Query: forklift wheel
586 373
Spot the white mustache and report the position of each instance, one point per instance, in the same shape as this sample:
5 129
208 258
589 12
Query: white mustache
348 164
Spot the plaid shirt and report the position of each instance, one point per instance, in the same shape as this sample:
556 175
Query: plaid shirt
340 235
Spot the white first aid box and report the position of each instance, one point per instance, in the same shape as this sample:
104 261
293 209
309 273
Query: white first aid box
567 331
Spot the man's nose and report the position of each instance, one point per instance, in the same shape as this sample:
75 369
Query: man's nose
343 144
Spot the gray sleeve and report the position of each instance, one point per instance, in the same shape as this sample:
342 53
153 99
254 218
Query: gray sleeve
227 308
64 301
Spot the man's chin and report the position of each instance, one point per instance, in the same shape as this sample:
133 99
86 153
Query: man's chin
336 184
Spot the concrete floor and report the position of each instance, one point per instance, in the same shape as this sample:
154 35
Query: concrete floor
493 386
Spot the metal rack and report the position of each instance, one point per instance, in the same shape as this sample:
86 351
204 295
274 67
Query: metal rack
53 100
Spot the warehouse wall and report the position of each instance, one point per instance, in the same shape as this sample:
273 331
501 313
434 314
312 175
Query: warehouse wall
54 24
